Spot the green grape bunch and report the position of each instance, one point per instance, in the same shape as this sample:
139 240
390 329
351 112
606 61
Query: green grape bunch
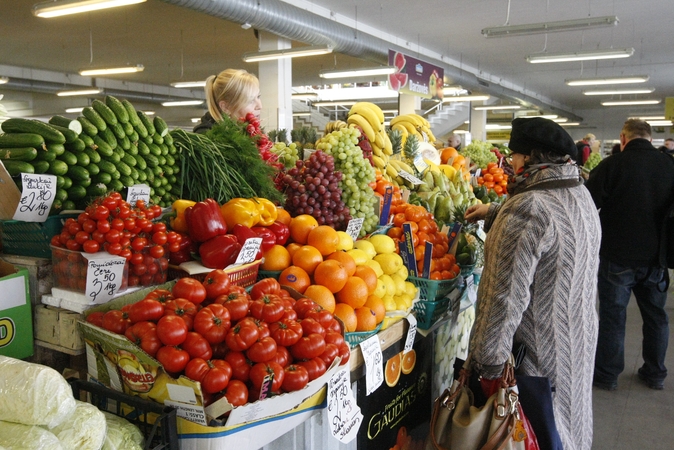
287 154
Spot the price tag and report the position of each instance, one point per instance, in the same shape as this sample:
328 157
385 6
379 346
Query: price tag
411 178
105 273
265 388
481 234
478 172
344 414
407 252
353 227
411 333
138 192
471 290
386 206
249 251
419 163
37 197
374 364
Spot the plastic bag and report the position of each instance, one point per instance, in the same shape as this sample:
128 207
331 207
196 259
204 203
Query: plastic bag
84 429
121 434
27 437
33 394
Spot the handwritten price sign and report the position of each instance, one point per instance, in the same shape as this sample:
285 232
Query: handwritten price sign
37 197
353 227
138 192
374 363
249 251
344 415
105 274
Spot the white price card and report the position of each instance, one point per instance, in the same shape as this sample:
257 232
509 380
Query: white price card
353 227
37 196
248 251
419 163
411 333
138 192
374 363
411 178
105 274
471 289
344 415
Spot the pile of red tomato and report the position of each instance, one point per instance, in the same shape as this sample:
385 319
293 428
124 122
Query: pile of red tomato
228 339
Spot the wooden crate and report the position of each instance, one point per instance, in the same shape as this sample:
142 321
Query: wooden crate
56 328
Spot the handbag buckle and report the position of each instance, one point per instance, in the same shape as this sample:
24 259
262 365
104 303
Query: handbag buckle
448 402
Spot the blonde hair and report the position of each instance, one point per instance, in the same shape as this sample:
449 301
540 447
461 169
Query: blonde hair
236 88
589 137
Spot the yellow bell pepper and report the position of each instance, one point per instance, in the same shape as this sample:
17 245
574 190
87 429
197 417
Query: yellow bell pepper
268 212
242 211
177 222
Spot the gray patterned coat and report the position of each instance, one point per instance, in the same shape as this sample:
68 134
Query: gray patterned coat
538 288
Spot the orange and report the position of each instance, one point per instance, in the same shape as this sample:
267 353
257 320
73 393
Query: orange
283 216
369 276
292 248
376 304
346 260
331 274
347 315
308 258
366 319
354 293
300 227
324 238
276 258
392 370
322 296
448 152
296 278
409 359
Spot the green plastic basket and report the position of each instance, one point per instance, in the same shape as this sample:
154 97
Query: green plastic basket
466 270
356 337
428 312
31 238
433 289
262 274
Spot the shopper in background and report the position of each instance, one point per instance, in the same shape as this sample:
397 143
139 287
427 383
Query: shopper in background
632 190
585 146
232 92
454 140
538 285
615 149
668 147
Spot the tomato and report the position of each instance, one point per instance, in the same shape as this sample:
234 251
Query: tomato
329 354
101 213
261 325
163 295
240 365
146 309
174 359
334 327
216 283
110 203
237 304
83 217
286 332
96 318
310 326
316 367
282 356
236 393
103 226
289 314
138 243
344 353
214 375
74 246
263 350
269 308
294 378
263 369
308 347
219 350
183 308
114 249
323 316
91 246
190 289
303 306
157 251
172 330
116 321
213 323
144 335
197 346
265 286
241 336
334 338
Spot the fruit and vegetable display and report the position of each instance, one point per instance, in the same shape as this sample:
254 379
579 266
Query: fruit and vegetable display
479 153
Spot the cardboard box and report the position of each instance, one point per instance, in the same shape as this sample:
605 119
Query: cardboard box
16 322
39 274
58 326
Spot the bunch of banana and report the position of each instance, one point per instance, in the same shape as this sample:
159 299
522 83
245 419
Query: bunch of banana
393 169
370 118
334 126
413 124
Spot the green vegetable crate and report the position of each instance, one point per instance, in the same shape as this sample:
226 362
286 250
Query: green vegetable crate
431 290
428 312
30 238
356 337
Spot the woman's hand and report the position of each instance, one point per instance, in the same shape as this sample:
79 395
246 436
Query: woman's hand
476 212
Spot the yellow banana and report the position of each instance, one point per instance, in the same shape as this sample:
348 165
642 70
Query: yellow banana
401 128
401 165
376 150
379 163
416 119
388 147
411 129
362 122
379 138
397 119
377 110
391 171
362 109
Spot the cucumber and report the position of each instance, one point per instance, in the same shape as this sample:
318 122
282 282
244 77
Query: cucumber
71 124
141 130
116 185
78 174
69 134
94 118
93 169
61 195
68 158
102 177
162 160
156 183
16 140
94 156
128 128
59 149
140 162
97 189
67 182
84 183
41 166
19 125
172 149
60 181
134 174
114 158
160 191
56 206
147 123
131 111
82 159
168 170
129 160
160 126
125 143
119 151
107 166
151 160
133 148
69 205
115 175
19 154
123 168
104 111
87 140
164 181
117 130
176 169
155 149
133 137
142 176
170 160
158 171
77 145
15 168
117 108
157 139
168 139
46 155
143 149
103 148
150 174
172 179
109 137
147 139
127 180
77 192
164 149
88 128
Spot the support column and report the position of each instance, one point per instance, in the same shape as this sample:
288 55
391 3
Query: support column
478 123
275 85
408 104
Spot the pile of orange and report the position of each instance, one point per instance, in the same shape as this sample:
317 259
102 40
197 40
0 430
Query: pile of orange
494 178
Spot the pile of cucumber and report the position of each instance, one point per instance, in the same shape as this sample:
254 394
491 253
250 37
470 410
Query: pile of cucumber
109 147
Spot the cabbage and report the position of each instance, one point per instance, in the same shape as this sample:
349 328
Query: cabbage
121 434
84 429
17 436
479 153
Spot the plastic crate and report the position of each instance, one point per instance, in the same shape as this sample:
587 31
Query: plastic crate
31 238
428 312
356 337
156 421
262 274
466 269
244 275
433 289
69 270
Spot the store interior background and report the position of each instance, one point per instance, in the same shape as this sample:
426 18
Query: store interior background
188 40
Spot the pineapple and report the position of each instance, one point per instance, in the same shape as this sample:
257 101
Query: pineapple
410 151
396 138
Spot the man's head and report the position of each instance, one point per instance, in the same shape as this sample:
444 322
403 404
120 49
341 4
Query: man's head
454 140
669 143
634 129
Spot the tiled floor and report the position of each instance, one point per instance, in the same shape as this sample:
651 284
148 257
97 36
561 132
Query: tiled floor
635 417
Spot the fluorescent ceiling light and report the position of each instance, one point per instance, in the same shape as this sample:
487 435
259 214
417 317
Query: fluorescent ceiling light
542 116
188 84
75 110
367 72
607 80
4 80
286 53
453 90
112 70
660 123
64 7
356 93
550 27
496 126
570 124
647 118
79 92
583 55
301 114
149 113
620 91
460 131
304 96
335 103
466 98
560 120
195 120
183 103
630 102
496 107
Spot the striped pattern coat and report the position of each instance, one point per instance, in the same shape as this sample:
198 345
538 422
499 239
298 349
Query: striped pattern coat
538 288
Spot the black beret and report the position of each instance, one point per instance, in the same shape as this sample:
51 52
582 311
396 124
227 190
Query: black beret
542 134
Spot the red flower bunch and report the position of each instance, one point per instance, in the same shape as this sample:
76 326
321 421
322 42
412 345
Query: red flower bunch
264 145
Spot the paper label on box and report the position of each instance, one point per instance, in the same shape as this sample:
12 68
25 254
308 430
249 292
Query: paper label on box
138 192
344 415
249 251
13 294
374 363
182 394
194 414
105 273
411 333
37 196
353 227
409 177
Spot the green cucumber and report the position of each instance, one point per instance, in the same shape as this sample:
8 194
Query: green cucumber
71 124
68 157
77 192
123 168
155 149
168 170
158 171
118 131
116 185
127 180
15 168
129 160
20 125
134 174
147 123
97 189
143 149
109 137
78 174
133 148
82 159
125 143
93 169
107 166
176 169
140 162
60 181
69 134
16 140
168 139
56 207
160 126
41 166
69 205
77 145
46 155
131 111
67 181
149 173
133 137
117 108
172 149
94 118
59 149
156 183
114 158
142 176
84 183
18 154
141 130
162 160
147 139
94 156
103 148
61 194
157 139
172 179
170 160
115 175
102 177
128 128
88 141
104 111
151 160
164 149
88 128
164 181
160 191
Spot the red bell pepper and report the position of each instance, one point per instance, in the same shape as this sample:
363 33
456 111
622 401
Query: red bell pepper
268 237
244 233
220 251
282 232
204 220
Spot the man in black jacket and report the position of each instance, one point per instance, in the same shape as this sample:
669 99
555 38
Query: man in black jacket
632 190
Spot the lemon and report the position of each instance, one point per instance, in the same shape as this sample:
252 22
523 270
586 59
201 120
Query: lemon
359 256
374 265
399 284
366 246
389 303
410 289
380 290
390 262
403 272
383 243
401 304
389 284
345 241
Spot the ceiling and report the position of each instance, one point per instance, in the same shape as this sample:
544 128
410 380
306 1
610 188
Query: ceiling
176 40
